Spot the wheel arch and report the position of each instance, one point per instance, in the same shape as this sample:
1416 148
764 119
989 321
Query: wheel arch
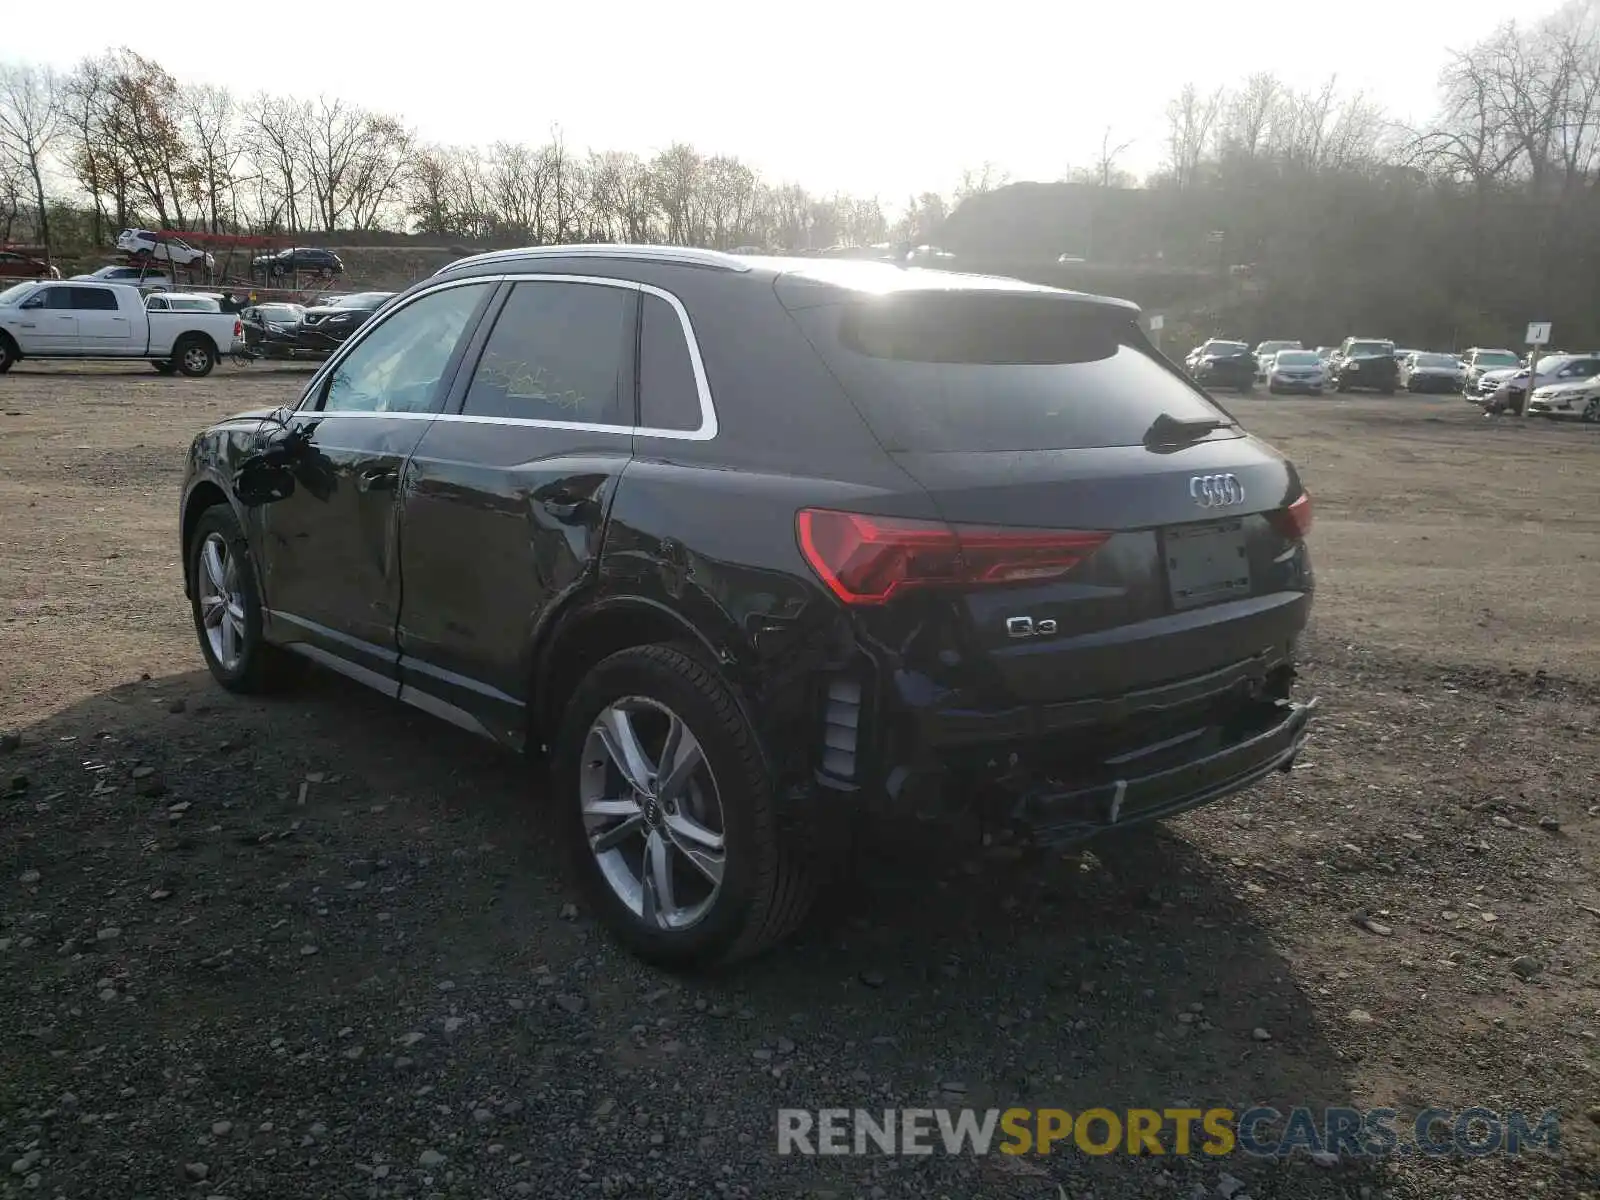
194 335
206 493
588 630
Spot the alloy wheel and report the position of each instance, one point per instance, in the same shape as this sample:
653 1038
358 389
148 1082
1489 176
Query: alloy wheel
221 602
652 813
1591 410
196 359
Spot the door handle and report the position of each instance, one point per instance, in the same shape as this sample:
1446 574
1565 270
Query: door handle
379 479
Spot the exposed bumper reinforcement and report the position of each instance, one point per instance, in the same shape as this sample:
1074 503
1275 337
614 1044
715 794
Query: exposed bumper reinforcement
1054 816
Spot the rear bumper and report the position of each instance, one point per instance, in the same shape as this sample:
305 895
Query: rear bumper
1220 763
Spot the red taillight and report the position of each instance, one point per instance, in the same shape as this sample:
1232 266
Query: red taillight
1293 522
869 560
238 330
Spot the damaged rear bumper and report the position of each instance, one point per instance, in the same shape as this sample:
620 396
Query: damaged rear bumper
1167 778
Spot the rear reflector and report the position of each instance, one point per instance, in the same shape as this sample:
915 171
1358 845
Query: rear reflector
1293 522
869 560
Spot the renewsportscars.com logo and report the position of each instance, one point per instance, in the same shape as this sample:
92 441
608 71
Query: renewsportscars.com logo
1260 1132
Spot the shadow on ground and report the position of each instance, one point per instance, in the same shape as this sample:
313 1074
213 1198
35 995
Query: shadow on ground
321 945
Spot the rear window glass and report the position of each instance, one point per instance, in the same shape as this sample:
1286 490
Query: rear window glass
938 372
669 397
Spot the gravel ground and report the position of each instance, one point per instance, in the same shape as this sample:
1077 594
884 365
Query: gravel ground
320 946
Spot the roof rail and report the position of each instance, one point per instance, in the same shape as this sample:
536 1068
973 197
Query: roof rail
685 255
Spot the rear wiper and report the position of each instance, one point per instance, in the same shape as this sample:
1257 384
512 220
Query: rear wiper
1168 430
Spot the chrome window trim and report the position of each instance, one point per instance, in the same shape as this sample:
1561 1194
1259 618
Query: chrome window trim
708 412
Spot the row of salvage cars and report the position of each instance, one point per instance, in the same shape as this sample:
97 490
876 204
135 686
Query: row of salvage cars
1568 385
297 331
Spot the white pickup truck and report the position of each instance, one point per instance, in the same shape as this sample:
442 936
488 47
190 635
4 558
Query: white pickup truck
76 319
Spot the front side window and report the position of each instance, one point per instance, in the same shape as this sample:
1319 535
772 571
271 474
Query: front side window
400 365
56 297
559 352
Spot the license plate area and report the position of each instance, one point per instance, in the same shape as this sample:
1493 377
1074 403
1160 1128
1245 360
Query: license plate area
1206 564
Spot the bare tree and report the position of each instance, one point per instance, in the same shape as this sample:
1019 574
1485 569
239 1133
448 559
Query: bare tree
676 174
621 199
977 180
1106 170
30 120
210 124
1189 120
275 131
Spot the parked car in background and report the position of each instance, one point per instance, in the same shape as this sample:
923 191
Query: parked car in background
1298 371
300 260
1326 352
1510 384
1264 353
140 277
173 250
181 302
14 265
1223 364
272 330
1366 363
1427 371
1578 398
892 630
1479 360
324 327
108 320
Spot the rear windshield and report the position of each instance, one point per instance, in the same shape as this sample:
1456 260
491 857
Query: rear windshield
1297 358
994 372
1225 348
1370 349
1495 358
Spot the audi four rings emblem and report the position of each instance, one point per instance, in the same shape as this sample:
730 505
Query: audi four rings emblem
1216 491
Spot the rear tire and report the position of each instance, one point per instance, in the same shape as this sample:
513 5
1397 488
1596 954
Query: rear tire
194 356
223 592
742 894
1591 411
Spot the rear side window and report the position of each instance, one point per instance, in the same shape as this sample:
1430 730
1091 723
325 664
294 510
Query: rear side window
669 397
558 352
94 299
992 372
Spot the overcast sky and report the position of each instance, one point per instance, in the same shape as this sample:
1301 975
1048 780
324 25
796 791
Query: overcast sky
877 97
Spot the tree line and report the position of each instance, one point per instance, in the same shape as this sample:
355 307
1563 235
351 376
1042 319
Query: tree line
119 141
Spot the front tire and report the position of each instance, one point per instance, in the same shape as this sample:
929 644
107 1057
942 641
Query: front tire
226 606
665 800
8 353
194 356
163 366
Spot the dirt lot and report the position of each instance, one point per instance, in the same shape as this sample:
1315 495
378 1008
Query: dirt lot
319 946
